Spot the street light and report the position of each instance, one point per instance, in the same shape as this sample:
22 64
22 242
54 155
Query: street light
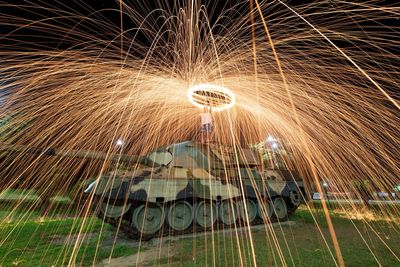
119 143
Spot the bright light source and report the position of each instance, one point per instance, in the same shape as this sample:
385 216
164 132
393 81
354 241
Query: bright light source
274 145
216 97
271 139
325 184
119 142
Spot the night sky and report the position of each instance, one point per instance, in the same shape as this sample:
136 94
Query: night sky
65 14
108 10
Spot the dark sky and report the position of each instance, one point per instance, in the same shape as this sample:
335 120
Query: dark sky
56 12
14 38
106 10
109 11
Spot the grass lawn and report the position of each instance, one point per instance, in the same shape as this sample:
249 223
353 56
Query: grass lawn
28 240
19 195
300 245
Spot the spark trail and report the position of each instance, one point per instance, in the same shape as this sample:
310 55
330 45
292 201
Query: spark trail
321 76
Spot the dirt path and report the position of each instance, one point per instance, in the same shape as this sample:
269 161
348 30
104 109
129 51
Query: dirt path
144 258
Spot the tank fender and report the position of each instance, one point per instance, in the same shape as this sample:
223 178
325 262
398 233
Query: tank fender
188 192
250 192
139 195
270 194
120 192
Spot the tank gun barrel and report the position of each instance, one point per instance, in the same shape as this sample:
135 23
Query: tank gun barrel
82 154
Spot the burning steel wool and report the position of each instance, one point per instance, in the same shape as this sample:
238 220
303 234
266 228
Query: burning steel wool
104 105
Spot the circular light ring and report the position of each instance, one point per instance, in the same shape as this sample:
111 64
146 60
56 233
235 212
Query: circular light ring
216 97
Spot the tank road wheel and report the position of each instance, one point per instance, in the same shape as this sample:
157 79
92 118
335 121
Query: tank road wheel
280 209
180 215
111 211
251 210
263 208
205 214
148 219
228 212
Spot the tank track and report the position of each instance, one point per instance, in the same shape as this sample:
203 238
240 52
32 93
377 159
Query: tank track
125 227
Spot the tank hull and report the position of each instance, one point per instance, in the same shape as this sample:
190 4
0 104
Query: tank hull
203 203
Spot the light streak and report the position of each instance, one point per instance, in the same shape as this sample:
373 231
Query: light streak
218 98
324 80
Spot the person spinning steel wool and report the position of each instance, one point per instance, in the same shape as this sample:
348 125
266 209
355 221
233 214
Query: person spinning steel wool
206 125
210 97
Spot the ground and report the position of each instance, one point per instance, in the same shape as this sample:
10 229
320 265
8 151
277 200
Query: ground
30 240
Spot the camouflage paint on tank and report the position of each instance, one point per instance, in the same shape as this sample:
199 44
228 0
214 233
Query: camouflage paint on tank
188 171
166 189
275 181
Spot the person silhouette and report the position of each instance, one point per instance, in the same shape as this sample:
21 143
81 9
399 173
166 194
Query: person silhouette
206 125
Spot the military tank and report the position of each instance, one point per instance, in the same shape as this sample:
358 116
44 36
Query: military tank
190 186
